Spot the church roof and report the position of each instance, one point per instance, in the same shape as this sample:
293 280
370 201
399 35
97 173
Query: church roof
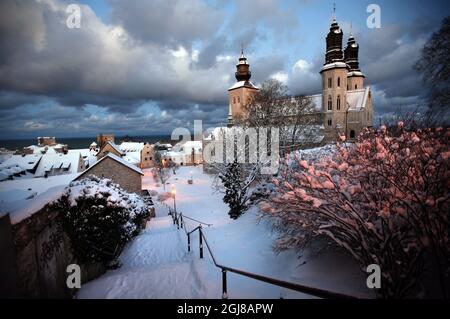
356 100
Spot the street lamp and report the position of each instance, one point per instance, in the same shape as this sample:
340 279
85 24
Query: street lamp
174 192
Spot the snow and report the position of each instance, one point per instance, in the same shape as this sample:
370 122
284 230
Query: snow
117 159
355 73
26 162
115 146
186 147
21 198
131 147
334 65
156 263
89 156
357 99
242 84
70 162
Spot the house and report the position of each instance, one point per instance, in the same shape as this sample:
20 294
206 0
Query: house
139 154
114 167
190 153
45 145
60 164
109 147
19 166
89 156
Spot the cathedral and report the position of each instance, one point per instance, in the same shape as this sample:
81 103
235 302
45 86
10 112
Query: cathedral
345 105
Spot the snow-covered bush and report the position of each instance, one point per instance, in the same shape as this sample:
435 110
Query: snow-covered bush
384 199
99 217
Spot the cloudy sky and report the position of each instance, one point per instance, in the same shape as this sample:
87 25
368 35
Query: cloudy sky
143 67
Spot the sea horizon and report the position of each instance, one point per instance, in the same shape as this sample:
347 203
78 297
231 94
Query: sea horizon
83 142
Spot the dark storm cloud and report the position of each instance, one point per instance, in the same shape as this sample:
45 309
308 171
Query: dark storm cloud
167 22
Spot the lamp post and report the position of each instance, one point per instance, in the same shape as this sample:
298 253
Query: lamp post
174 192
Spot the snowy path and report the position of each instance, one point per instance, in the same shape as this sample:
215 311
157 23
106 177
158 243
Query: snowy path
156 263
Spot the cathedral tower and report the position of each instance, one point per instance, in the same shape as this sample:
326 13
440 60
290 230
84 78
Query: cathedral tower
242 91
334 80
355 79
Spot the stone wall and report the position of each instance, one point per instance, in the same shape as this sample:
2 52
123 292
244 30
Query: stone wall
127 178
37 258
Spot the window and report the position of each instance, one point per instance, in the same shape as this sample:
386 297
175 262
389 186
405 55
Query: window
339 82
330 103
356 86
150 159
234 100
239 99
330 82
330 122
145 159
338 105
348 87
352 134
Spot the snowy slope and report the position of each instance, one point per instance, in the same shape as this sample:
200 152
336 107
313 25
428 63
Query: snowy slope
156 264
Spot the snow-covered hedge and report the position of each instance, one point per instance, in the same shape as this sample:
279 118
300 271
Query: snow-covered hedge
100 217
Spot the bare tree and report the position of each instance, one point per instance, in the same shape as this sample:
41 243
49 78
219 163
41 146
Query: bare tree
295 117
435 67
162 169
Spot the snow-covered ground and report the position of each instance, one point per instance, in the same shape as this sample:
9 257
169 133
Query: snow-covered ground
156 263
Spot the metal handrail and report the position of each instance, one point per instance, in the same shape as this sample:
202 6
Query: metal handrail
317 292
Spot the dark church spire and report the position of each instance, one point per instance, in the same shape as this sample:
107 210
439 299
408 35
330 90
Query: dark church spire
351 54
334 42
243 68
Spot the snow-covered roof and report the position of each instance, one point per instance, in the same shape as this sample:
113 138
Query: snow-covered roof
115 147
131 147
334 65
49 162
357 99
23 197
26 162
36 149
117 159
89 156
355 73
133 157
93 144
240 84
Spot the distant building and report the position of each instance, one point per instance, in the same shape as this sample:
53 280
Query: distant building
114 167
103 139
109 147
345 106
60 164
139 154
46 145
186 153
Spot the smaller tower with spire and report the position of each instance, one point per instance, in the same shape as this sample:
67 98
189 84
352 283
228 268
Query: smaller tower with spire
355 78
242 91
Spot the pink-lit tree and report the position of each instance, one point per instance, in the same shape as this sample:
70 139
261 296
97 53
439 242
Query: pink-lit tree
384 199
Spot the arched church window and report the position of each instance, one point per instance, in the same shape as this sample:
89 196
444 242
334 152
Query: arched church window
339 82
330 103
330 82
330 122
338 104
